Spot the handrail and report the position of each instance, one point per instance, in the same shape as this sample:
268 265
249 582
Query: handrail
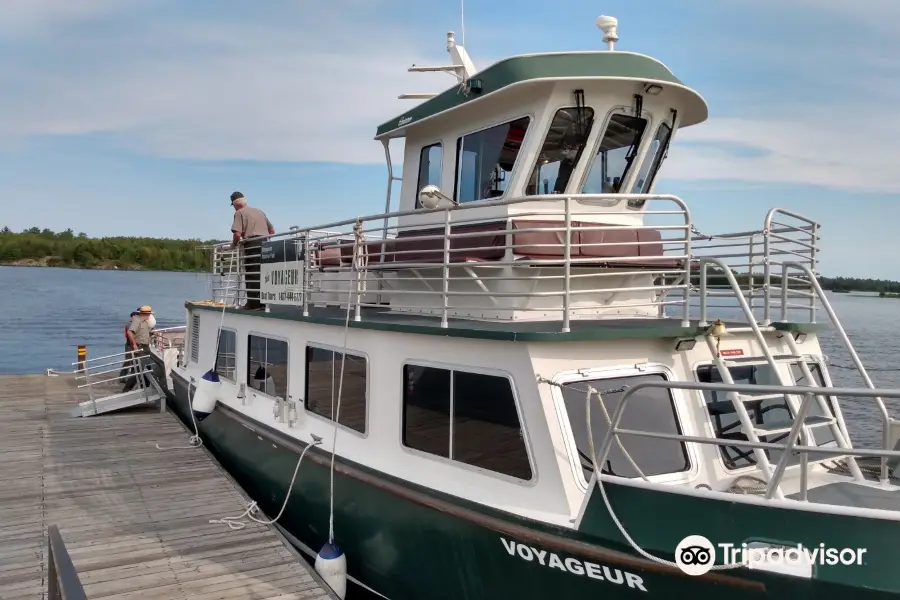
62 578
848 345
767 265
774 482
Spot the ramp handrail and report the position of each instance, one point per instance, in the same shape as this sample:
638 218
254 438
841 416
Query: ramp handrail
62 578
788 447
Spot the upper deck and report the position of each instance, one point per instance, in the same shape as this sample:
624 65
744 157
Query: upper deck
548 162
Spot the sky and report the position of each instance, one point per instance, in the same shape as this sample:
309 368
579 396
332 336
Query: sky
140 117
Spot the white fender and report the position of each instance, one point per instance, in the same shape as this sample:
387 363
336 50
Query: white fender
206 395
331 565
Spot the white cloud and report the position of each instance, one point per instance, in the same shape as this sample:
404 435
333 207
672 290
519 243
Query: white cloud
844 147
282 91
815 112
23 18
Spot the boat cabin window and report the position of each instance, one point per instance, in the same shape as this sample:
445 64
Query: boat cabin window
561 151
822 436
323 383
226 355
485 159
614 157
652 161
649 409
430 159
768 410
466 417
267 365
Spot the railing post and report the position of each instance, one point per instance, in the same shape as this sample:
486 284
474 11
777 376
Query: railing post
567 264
686 314
767 275
82 356
445 277
812 267
307 261
704 270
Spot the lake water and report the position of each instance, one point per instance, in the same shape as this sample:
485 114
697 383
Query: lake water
45 313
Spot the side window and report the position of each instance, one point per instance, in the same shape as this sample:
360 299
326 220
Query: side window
466 417
267 365
323 382
652 161
612 163
225 355
768 410
648 409
821 435
485 159
430 159
561 151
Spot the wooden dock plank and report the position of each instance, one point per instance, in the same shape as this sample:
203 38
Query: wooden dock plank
135 519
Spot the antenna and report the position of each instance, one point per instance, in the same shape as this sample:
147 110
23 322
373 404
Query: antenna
462 20
608 26
462 68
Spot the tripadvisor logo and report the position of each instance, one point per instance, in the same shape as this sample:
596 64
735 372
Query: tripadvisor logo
696 555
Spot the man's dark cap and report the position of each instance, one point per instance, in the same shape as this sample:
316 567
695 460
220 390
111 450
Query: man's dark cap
236 195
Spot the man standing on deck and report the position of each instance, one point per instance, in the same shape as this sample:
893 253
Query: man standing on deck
139 334
249 223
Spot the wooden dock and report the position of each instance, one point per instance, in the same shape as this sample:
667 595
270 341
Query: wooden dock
134 519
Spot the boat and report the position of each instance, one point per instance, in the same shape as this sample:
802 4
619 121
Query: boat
534 376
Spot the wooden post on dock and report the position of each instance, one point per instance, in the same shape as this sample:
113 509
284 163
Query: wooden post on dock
82 356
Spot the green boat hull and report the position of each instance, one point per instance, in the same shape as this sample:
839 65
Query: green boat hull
408 543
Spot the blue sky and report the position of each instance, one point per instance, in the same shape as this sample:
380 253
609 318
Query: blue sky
140 117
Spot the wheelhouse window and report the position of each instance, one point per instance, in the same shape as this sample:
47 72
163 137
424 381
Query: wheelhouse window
324 386
467 417
618 148
486 158
766 410
226 366
561 151
267 365
649 409
430 160
656 153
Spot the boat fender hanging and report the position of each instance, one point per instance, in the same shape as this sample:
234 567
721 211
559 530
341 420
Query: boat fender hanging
206 393
331 565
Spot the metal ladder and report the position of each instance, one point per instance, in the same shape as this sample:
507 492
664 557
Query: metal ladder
798 407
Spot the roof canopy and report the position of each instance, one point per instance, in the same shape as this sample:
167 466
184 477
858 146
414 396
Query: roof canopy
535 67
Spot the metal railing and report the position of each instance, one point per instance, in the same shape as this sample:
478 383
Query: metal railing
545 257
62 578
95 372
788 448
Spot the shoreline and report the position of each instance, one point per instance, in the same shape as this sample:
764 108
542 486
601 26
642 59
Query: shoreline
42 264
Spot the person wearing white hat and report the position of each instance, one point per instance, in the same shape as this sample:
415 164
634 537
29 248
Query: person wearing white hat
139 335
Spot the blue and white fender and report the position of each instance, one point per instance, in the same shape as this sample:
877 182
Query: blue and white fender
206 394
331 565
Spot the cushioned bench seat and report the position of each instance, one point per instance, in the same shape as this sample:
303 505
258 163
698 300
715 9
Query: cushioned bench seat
486 242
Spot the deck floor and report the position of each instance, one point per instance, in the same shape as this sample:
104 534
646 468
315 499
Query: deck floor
134 519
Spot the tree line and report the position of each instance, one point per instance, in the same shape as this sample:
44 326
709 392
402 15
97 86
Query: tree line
68 249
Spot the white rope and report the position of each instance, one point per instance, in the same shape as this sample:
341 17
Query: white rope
195 441
336 411
597 473
236 523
